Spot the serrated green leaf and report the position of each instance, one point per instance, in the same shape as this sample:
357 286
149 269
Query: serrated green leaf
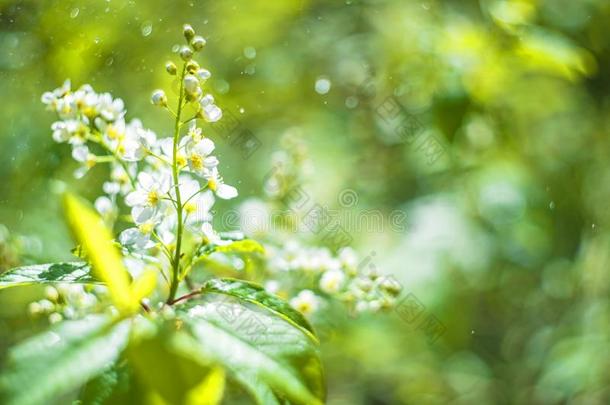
56 362
69 272
256 294
267 354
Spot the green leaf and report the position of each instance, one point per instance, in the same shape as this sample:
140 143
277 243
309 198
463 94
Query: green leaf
242 246
256 294
60 360
162 365
106 260
267 354
91 232
70 272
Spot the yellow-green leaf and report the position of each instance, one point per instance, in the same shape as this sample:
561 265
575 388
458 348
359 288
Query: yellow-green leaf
210 390
242 246
90 232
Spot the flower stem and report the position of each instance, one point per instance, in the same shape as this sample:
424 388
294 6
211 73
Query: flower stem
176 262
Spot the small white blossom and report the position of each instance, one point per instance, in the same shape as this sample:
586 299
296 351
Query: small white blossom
217 185
150 190
211 237
306 302
159 98
332 281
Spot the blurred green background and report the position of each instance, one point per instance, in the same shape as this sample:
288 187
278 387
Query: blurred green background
506 240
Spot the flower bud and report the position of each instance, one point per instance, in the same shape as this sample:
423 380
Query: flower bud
55 317
198 43
192 66
212 113
207 100
186 53
51 293
191 84
170 67
203 74
194 97
159 98
188 31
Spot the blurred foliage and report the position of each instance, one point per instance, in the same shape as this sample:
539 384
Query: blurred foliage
508 231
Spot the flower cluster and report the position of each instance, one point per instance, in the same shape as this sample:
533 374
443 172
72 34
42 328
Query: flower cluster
306 275
169 184
67 301
309 275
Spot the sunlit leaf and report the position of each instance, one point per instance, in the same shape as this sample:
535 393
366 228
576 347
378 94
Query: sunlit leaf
267 354
162 365
210 390
256 294
56 362
71 272
90 231
242 246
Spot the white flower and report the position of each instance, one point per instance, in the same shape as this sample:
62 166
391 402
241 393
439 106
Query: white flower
166 145
150 190
106 207
306 302
138 237
197 205
81 154
110 109
217 185
50 98
348 258
211 237
198 155
72 131
332 281
212 113
159 98
120 182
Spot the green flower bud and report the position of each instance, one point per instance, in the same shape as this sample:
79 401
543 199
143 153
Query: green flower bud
198 43
170 67
192 66
159 98
188 32
186 53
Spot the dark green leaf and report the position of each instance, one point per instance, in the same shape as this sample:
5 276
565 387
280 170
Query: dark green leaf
56 362
70 272
265 352
256 294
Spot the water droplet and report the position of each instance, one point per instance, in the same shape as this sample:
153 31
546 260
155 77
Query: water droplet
146 29
351 102
250 52
552 205
250 69
175 48
74 13
242 110
322 85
